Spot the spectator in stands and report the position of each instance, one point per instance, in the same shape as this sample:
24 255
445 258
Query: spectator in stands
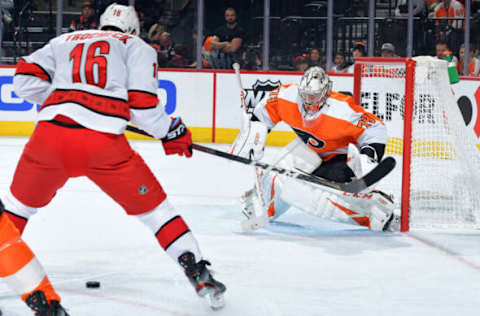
441 48
88 20
5 18
399 27
451 30
167 49
473 67
206 50
231 37
315 58
359 50
419 8
476 52
153 36
388 50
251 60
141 18
341 65
179 60
301 63
450 9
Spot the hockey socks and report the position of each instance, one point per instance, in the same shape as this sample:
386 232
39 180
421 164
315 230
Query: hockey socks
18 212
18 221
19 268
171 231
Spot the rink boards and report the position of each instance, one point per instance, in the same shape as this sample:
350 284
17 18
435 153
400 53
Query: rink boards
209 103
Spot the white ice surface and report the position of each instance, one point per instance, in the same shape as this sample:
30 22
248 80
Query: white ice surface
301 265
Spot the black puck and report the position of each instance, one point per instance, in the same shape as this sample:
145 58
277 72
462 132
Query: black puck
92 284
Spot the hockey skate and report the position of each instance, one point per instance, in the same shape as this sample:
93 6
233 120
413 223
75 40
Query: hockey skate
253 221
383 216
201 279
38 302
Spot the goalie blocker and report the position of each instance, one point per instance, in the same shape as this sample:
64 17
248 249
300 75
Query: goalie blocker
337 140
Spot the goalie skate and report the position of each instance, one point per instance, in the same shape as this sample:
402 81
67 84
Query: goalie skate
253 221
382 213
203 282
393 224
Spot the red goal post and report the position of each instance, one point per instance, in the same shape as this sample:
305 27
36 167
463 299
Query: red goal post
433 187
361 67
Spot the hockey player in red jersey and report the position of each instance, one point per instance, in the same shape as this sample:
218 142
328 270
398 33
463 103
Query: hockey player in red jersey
336 140
90 84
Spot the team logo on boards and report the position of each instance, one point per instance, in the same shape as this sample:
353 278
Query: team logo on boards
258 91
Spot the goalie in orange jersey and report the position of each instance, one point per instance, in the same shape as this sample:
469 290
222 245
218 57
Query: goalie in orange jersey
23 273
336 140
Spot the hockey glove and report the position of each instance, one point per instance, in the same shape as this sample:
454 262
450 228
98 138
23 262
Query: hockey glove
178 139
250 143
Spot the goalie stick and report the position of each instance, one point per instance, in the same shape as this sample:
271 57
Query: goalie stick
379 172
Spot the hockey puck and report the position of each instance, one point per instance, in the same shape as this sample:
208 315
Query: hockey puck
92 284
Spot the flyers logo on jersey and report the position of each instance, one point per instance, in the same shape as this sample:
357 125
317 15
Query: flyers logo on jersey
309 139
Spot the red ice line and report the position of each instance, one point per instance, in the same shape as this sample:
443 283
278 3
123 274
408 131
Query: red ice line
446 251
127 302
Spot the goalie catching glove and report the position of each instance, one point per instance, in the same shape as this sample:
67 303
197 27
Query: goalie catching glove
178 139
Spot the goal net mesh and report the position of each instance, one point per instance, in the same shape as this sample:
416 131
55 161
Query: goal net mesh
444 167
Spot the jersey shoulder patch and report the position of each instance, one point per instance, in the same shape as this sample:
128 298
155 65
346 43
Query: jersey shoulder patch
288 92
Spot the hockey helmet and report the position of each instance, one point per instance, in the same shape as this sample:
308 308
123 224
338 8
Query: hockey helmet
122 17
314 89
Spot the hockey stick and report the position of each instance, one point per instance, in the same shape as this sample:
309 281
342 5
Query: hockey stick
377 173
380 171
246 116
236 67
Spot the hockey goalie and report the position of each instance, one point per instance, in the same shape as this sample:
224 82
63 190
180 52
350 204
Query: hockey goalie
336 140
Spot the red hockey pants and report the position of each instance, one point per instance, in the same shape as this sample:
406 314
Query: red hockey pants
55 153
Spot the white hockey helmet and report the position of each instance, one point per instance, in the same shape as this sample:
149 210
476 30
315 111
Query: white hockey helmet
122 17
314 89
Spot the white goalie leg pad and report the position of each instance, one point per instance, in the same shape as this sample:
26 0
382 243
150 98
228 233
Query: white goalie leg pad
250 142
253 210
263 203
329 204
13 205
313 200
376 205
297 155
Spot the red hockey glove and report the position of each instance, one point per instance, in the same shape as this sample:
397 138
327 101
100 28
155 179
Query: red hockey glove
178 139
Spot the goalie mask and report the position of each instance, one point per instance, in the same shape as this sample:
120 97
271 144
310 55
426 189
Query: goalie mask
121 17
314 89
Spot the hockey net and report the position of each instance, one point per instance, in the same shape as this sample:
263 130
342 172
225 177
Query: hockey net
438 163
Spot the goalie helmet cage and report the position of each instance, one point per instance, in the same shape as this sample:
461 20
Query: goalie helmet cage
437 179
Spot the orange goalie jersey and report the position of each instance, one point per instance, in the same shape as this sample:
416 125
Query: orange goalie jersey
339 122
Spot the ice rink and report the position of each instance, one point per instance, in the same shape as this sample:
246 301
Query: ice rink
301 265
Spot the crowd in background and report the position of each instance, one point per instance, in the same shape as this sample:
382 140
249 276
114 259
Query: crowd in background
169 27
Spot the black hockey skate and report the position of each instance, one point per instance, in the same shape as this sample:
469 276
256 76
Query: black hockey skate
201 279
38 302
